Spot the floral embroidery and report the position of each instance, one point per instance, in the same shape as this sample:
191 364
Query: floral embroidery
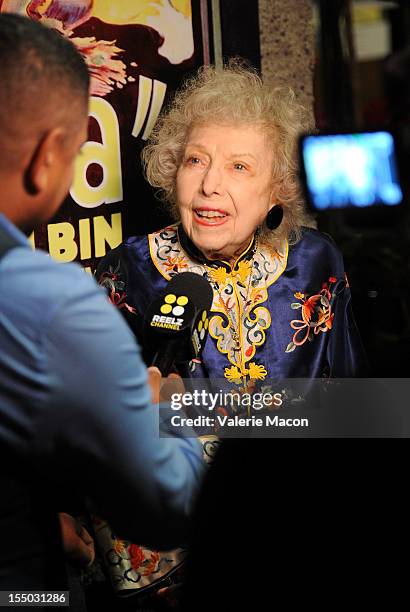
152 564
255 372
275 254
237 323
233 375
139 560
132 566
119 547
136 556
118 299
244 269
112 281
175 264
316 313
218 276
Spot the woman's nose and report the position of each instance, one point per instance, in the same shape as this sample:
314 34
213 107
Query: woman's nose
212 180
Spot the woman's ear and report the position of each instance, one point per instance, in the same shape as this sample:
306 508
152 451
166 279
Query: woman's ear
273 197
42 165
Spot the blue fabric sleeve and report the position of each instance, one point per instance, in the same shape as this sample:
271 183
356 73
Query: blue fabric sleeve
101 430
345 352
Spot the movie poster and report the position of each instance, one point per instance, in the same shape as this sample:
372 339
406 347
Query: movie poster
138 52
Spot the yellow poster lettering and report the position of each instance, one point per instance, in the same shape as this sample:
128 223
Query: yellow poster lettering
106 154
85 238
106 233
156 105
61 241
144 96
63 238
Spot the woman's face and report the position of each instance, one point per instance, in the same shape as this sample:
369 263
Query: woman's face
223 187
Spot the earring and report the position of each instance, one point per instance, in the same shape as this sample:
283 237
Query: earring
274 217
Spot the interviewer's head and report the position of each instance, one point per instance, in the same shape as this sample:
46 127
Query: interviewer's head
43 118
224 154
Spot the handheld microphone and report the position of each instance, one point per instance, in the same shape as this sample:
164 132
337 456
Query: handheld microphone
176 323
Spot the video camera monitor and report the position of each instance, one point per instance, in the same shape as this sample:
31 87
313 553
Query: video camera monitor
350 170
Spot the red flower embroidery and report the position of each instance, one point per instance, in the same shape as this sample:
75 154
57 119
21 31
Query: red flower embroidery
317 315
152 564
118 299
136 556
309 307
248 351
175 264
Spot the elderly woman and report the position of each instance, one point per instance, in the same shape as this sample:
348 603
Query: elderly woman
224 158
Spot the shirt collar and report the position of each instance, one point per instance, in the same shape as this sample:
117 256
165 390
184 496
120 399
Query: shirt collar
196 254
13 231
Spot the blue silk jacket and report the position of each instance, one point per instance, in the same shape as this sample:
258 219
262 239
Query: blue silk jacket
276 314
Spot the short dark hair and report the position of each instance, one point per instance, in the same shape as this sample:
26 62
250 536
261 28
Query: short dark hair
41 70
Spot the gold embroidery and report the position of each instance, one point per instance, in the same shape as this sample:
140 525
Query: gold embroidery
239 293
218 276
257 372
177 264
244 269
233 375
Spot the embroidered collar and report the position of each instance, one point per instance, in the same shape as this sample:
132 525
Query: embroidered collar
172 252
239 318
192 251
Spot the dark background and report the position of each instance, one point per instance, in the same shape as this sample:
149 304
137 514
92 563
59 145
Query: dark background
371 94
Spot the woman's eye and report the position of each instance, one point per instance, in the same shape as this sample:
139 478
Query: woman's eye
193 160
239 166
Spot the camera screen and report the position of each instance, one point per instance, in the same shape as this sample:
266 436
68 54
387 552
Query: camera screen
351 170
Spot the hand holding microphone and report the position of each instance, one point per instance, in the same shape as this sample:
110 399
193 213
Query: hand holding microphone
162 390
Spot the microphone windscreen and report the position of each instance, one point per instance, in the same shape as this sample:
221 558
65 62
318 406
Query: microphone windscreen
197 288
176 323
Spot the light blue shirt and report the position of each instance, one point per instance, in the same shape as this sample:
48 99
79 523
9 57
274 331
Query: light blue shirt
75 403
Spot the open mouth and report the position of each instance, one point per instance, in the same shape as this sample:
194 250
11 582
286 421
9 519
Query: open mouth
206 216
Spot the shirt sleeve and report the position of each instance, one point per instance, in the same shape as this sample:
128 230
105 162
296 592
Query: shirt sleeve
100 432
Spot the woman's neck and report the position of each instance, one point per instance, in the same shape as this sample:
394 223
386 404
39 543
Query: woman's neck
229 257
